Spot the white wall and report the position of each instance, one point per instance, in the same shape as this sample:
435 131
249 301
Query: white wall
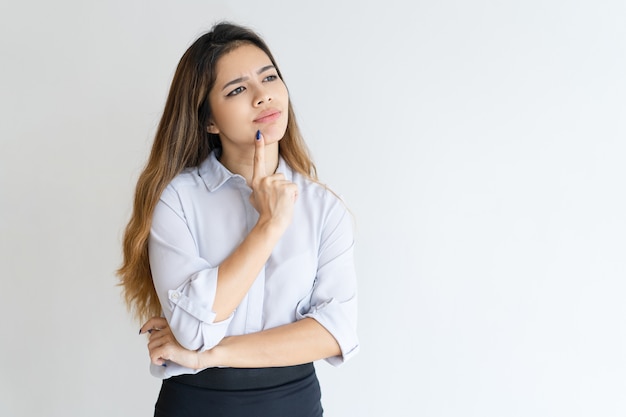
480 144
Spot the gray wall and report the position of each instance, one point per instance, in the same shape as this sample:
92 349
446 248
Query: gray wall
481 146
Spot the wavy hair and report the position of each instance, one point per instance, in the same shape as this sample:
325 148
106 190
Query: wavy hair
182 141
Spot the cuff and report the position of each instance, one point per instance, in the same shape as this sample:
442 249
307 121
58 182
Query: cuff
332 315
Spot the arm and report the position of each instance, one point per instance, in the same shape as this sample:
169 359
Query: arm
292 344
326 326
238 271
198 299
333 298
273 197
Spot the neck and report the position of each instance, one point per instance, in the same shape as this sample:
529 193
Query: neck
241 160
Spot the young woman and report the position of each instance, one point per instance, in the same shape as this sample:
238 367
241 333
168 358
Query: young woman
241 257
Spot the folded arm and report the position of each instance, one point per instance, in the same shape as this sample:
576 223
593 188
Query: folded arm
292 344
197 298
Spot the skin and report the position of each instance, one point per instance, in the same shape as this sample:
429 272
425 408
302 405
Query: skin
247 87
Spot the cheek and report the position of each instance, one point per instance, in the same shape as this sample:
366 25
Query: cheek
225 115
284 94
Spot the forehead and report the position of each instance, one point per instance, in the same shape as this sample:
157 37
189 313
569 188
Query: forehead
242 60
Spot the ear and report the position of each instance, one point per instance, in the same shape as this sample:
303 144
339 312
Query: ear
211 128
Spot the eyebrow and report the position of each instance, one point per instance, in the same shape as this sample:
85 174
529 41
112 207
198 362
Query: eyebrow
240 79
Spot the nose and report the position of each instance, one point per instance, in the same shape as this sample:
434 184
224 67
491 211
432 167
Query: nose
262 96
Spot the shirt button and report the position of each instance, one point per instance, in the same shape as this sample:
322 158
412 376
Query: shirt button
175 296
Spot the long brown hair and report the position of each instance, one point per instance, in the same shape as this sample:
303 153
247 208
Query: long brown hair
182 141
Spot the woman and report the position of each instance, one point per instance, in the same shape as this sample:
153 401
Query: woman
242 259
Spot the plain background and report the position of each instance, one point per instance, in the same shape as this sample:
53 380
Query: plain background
480 145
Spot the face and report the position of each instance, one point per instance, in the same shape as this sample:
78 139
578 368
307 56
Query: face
247 96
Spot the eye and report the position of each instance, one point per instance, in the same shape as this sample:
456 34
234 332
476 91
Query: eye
236 91
271 78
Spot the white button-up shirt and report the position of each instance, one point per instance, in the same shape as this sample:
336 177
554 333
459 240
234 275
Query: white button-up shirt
204 214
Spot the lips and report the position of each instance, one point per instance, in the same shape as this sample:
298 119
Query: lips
267 116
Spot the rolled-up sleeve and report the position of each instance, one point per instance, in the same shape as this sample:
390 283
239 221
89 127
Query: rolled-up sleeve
185 282
333 299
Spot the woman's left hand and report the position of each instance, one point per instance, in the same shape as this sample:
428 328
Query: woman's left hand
164 346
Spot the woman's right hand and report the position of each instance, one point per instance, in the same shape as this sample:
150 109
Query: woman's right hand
273 196
163 346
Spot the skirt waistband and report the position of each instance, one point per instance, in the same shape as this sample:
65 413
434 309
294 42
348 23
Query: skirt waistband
240 379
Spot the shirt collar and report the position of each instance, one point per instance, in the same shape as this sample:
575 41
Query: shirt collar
214 174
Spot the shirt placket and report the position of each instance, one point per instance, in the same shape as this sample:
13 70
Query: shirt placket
256 293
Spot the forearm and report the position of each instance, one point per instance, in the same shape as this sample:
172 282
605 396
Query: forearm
303 341
237 272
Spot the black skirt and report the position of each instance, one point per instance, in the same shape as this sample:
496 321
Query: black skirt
230 392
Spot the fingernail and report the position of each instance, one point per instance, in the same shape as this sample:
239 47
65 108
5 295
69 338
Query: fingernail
150 331
258 134
164 364
139 331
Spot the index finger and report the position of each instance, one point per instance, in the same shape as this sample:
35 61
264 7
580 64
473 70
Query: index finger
258 169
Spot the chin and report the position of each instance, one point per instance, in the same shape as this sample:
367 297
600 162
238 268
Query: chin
272 139
273 135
